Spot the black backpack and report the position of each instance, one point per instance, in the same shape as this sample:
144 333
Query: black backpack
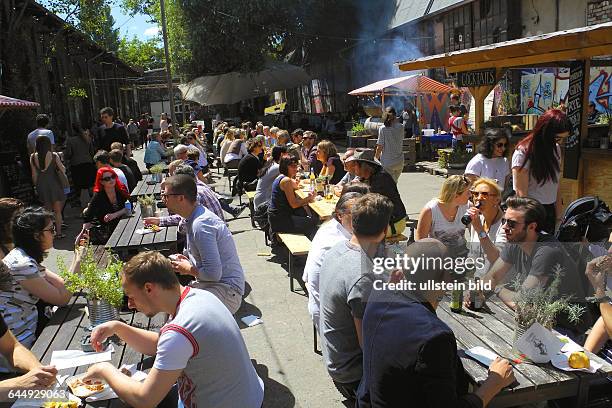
260 217
587 217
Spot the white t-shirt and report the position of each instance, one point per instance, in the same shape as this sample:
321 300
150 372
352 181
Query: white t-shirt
496 235
121 177
326 237
546 193
39 132
497 168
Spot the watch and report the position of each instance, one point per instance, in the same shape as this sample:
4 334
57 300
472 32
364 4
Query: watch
498 289
482 234
603 299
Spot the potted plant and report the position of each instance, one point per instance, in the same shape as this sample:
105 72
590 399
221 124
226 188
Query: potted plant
101 284
509 102
542 305
147 205
156 171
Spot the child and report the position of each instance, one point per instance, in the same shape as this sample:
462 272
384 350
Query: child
459 127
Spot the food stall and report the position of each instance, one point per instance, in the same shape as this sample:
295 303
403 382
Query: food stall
431 102
586 170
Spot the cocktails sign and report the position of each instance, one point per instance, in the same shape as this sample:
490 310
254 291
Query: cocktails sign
484 77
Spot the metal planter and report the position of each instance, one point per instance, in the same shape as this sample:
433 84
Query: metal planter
100 311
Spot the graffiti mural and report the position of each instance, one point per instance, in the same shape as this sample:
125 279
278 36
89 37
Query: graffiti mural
434 110
600 88
542 89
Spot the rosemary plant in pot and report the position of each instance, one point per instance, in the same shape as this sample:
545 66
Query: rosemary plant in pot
147 205
101 284
543 305
156 171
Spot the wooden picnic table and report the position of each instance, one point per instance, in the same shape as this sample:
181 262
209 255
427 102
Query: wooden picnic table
322 207
66 328
125 238
144 188
493 328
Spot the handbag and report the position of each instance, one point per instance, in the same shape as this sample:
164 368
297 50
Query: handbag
62 175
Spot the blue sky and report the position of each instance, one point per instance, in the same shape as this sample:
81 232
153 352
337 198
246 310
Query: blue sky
129 26
137 26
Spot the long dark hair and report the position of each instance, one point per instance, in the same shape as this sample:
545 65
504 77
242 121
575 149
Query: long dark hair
491 137
26 225
540 144
43 146
285 162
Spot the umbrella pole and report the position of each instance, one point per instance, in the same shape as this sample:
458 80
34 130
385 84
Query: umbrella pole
382 101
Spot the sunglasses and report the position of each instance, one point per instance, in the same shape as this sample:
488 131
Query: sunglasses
501 144
307 137
484 194
511 223
108 178
51 229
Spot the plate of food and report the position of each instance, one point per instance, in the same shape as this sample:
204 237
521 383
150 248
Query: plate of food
85 388
60 404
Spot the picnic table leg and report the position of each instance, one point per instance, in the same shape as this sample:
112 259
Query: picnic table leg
582 398
290 270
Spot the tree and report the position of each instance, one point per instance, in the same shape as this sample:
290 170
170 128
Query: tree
143 54
92 17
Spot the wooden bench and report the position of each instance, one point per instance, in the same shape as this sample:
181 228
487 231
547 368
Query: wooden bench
251 196
395 239
297 245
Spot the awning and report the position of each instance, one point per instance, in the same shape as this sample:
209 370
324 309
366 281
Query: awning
413 84
559 46
237 86
6 102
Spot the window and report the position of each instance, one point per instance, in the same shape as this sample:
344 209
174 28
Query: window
315 98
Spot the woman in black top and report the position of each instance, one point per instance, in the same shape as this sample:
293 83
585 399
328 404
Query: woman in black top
250 165
107 205
285 212
333 167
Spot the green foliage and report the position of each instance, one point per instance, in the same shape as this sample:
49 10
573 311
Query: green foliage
509 102
92 17
98 283
357 128
158 168
216 36
75 92
142 54
544 305
146 200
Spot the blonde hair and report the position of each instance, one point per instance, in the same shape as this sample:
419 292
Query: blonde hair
174 164
489 182
452 187
328 148
274 130
230 134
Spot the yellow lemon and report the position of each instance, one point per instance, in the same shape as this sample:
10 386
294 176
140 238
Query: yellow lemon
578 359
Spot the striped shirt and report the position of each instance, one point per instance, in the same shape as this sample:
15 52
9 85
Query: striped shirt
17 305
391 138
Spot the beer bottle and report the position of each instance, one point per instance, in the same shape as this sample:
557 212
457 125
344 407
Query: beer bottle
476 302
456 304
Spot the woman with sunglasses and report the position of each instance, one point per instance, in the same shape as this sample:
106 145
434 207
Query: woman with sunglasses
441 217
536 164
491 162
485 229
30 286
107 205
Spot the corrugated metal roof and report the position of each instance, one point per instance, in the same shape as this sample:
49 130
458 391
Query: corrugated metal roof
439 5
411 10
413 84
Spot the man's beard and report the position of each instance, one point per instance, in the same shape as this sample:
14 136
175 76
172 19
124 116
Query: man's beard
518 237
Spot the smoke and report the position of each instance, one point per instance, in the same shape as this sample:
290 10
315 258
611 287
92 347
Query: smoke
375 57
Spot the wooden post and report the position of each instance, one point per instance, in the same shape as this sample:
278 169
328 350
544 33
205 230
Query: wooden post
382 100
479 93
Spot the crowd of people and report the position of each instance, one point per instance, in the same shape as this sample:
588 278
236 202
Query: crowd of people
379 346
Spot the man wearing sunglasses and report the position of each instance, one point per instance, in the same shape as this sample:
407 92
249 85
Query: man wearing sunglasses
535 256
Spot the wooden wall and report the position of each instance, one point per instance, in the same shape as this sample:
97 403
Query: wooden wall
597 177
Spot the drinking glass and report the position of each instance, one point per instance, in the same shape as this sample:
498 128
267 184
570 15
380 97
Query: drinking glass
329 192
